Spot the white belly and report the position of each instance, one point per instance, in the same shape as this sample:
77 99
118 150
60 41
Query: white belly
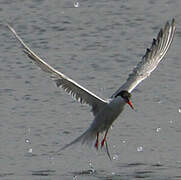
106 117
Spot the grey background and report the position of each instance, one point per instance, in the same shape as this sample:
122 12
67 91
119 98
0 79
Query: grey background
97 44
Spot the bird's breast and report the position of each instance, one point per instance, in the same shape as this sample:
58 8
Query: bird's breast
108 115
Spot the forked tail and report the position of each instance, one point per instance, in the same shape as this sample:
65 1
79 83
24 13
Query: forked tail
86 138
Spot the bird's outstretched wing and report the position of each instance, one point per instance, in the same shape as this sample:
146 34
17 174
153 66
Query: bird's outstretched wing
151 59
78 92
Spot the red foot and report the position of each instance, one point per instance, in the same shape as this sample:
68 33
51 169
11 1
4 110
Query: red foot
104 139
102 143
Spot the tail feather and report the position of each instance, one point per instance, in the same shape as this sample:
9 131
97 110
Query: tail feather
86 138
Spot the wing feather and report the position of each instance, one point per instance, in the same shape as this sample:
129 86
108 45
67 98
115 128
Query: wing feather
151 59
78 92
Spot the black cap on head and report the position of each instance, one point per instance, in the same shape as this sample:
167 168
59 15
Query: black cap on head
126 96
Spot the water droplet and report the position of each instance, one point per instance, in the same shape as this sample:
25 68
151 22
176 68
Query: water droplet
30 150
76 4
179 109
27 141
92 170
158 129
115 157
140 148
74 177
51 160
171 121
90 163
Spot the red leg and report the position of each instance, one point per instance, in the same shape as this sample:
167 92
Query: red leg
97 141
104 139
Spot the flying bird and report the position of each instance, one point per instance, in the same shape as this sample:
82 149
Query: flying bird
106 111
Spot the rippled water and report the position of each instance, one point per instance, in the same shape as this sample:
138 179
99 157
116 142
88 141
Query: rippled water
96 43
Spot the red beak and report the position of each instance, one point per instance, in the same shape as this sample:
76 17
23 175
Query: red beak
130 104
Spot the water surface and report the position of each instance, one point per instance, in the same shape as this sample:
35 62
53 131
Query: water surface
97 44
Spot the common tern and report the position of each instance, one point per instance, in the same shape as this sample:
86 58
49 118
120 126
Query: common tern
106 111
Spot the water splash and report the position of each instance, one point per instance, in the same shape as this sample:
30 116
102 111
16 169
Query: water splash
92 170
28 141
27 135
75 178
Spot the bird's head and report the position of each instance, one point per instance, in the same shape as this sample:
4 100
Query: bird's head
126 96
